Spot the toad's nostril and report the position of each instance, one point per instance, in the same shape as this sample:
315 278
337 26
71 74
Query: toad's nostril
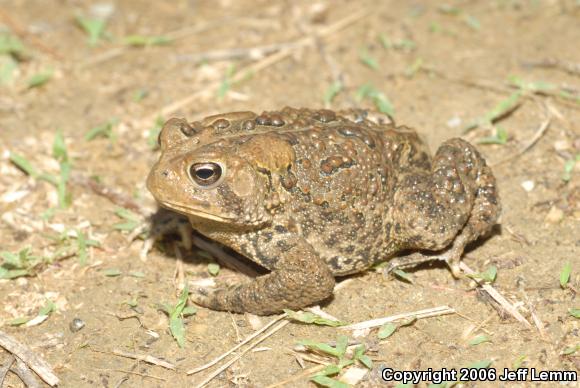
165 173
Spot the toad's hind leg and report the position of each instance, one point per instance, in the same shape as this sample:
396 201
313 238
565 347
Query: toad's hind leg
446 209
300 278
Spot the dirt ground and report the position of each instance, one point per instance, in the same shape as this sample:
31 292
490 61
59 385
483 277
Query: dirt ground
439 65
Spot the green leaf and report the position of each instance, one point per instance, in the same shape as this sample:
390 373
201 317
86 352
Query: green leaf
480 364
11 45
8 67
94 28
488 276
176 313
112 272
502 109
137 274
472 22
565 275
332 91
538 86
519 361
12 273
570 350
363 358
330 370
144 41
82 252
213 269
328 382
226 84
22 163
414 68
18 321
381 102
322 347
189 310
387 330
500 137
403 275
59 147
575 312
39 79
48 308
103 130
368 60
153 135
308 317
479 340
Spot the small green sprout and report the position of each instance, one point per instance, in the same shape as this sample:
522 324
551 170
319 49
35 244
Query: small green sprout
12 46
368 60
500 137
403 275
332 91
145 41
176 314
213 269
343 361
153 134
503 109
479 340
8 67
308 317
93 27
227 82
112 272
389 328
569 167
44 312
103 130
488 276
565 275
39 79
15 265
380 100
575 312
131 220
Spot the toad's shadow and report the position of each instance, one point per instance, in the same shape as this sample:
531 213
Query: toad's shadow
170 228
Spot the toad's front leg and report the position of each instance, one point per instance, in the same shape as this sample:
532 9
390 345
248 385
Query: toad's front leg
299 278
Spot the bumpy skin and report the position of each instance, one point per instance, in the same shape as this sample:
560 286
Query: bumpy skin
311 195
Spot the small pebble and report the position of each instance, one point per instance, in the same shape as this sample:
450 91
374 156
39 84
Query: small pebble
528 185
554 216
76 325
454 122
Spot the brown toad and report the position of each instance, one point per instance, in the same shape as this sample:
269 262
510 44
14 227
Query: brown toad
310 195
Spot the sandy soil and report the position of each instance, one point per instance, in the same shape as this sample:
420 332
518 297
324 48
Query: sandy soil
441 65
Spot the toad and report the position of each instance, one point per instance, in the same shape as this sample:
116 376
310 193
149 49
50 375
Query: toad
314 194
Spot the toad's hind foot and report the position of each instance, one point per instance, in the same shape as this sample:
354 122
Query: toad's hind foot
451 256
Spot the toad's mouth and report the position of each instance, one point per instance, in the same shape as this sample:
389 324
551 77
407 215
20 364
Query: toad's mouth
194 212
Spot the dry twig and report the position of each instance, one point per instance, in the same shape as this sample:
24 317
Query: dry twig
298 376
426 313
248 339
24 353
145 357
240 355
496 296
5 368
25 374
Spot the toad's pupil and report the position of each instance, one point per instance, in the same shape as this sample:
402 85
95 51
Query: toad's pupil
204 173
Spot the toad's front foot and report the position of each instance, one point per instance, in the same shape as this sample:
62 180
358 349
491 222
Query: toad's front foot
299 279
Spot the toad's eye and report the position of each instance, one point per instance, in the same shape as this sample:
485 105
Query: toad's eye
205 174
